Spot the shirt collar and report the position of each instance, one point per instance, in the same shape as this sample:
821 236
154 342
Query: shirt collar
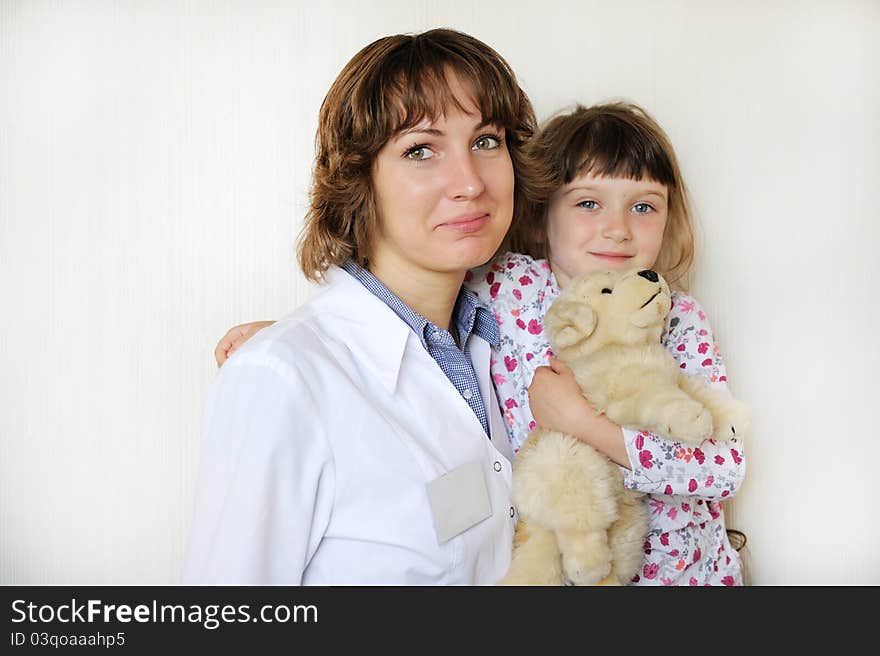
363 324
473 316
469 314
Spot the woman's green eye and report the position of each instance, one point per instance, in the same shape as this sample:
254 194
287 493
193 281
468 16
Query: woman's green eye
487 142
419 153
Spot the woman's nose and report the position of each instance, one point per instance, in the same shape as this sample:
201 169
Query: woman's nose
465 180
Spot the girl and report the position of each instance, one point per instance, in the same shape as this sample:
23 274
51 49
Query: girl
619 202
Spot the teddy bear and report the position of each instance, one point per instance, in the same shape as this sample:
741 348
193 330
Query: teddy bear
578 524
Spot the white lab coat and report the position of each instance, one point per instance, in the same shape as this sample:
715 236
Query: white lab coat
318 439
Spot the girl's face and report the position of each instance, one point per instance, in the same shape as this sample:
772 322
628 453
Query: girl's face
605 224
444 192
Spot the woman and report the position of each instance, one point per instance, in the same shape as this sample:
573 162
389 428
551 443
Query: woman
359 440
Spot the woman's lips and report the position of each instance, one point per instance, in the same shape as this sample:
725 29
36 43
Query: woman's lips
470 223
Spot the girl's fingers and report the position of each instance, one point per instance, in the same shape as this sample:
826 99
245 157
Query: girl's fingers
559 367
235 337
227 344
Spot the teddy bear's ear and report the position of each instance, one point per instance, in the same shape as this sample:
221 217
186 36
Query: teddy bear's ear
570 322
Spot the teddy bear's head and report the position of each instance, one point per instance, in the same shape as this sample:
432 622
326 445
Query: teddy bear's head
598 309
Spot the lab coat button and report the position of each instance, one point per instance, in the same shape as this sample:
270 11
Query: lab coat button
497 466
511 511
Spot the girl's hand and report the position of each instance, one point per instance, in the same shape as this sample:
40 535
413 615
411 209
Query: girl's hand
557 402
235 337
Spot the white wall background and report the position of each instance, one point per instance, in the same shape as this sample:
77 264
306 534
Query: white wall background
154 163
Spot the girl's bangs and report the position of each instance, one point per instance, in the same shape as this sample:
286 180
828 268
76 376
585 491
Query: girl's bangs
616 149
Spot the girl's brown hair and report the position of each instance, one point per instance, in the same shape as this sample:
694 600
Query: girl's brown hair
389 86
612 140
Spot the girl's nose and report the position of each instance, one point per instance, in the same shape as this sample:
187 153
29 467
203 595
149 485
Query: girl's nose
616 226
465 180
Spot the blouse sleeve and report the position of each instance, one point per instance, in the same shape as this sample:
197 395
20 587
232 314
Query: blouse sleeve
714 470
266 479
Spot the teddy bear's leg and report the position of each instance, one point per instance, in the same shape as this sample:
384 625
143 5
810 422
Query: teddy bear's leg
561 483
668 411
586 558
535 559
627 536
730 417
567 487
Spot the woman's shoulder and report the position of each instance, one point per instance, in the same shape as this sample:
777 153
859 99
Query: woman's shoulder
506 273
280 348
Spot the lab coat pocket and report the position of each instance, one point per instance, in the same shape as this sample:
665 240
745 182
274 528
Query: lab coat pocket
459 500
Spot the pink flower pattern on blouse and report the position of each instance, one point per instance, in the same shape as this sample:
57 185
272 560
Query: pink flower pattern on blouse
687 543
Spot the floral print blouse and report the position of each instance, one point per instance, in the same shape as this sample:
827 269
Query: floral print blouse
687 543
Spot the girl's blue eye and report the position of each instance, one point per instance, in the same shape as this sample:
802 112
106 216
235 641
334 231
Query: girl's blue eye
487 142
588 204
419 153
642 208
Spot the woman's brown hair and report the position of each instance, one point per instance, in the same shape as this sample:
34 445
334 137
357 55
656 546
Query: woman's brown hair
612 140
389 86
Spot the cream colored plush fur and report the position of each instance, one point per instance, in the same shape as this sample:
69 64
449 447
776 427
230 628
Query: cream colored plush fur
578 524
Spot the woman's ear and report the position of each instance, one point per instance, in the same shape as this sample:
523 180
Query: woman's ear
569 323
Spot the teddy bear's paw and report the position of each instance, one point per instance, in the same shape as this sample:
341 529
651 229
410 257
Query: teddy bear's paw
585 564
725 432
517 579
532 572
580 571
689 421
732 422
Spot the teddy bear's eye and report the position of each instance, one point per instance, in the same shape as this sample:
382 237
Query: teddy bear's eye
606 291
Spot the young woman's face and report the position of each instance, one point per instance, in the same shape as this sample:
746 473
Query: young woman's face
444 192
605 224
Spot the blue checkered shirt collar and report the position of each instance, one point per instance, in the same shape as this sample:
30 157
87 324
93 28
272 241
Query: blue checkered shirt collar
469 314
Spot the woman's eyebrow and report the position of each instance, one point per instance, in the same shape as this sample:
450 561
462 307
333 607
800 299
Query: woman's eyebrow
434 132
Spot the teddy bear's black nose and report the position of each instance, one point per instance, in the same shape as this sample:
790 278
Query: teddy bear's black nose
649 275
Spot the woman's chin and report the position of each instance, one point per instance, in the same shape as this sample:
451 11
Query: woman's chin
468 254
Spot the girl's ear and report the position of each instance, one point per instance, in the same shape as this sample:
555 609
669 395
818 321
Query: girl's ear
569 323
